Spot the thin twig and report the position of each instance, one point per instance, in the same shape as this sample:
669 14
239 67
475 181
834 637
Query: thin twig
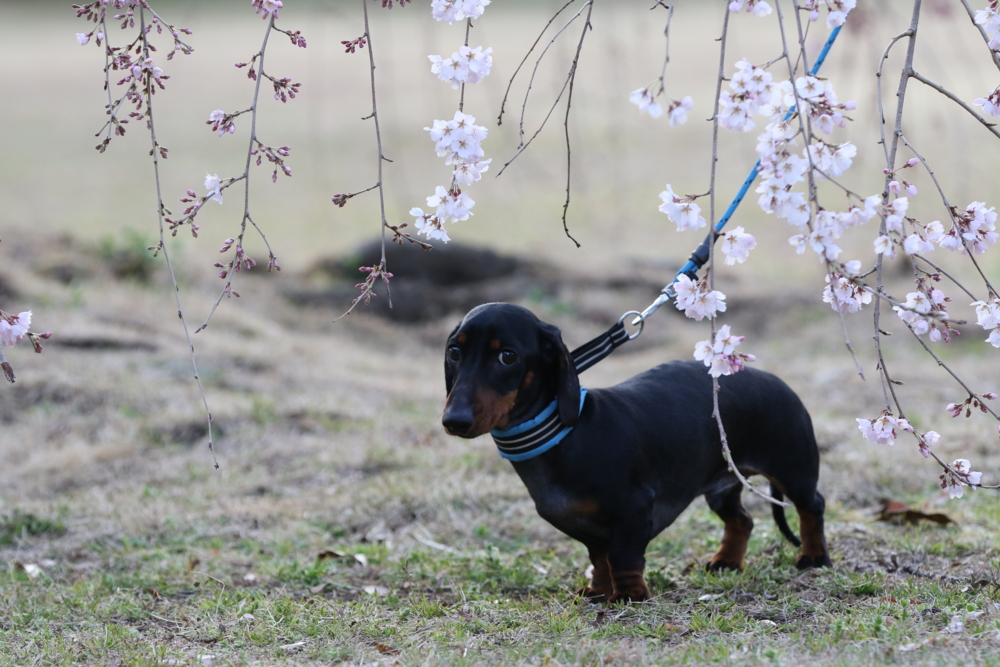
381 268
531 80
992 127
253 142
569 104
716 413
666 37
525 59
163 246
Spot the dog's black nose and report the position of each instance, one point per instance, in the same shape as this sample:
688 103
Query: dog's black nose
457 425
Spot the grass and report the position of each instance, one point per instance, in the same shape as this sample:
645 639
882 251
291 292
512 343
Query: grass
181 595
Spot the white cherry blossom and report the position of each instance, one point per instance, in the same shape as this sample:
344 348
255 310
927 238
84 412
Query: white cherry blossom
643 98
736 245
14 330
682 211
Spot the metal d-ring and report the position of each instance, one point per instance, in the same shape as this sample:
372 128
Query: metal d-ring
642 323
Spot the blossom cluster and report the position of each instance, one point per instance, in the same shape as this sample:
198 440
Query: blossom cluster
881 430
990 103
696 299
843 292
457 10
750 89
958 477
267 8
466 65
988 317
756 7
837 10
989 19
925 311
720 355
975 229
458 140
681 210
14 327
677 111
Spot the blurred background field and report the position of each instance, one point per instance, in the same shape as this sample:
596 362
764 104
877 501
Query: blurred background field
328 434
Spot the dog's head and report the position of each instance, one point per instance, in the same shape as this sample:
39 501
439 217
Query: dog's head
502 366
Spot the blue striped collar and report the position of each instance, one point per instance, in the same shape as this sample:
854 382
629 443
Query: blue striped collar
535 436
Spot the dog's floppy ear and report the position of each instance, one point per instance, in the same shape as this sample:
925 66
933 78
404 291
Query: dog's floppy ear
568 390
449 377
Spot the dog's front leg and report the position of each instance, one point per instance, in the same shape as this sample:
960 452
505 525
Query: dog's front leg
627 556
601 588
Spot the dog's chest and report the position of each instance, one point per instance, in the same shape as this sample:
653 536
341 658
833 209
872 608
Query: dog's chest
572 511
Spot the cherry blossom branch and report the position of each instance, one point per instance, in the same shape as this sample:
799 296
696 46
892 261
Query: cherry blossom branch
374 272
972 17
160 214
242 261
950 372
951 213
992 127
716 412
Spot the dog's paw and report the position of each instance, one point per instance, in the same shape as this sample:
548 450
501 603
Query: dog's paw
721 565
808 561
591 594
634 593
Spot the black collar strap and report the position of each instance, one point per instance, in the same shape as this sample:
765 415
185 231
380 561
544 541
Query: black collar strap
535 436
590 353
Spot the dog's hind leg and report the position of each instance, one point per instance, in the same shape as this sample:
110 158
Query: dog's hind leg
729 507
814 552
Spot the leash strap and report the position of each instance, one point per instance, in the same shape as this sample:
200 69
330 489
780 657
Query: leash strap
535 436
590 353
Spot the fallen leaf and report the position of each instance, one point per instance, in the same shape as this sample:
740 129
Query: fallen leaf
385 649
538 568
286 647
375 590
193 563
709 598
361 558
894 511
249 577
330 553
321 588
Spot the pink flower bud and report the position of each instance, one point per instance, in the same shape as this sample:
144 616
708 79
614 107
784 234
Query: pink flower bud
912 162
894 187
191 193
814 15
989 396
911 189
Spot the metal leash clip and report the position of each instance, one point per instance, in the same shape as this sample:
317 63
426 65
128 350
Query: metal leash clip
641 321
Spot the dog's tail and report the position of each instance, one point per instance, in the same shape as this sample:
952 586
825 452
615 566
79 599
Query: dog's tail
779 518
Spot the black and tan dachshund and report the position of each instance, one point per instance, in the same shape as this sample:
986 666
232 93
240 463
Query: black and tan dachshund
630 458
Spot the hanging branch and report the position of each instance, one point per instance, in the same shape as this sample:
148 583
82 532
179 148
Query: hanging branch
156 152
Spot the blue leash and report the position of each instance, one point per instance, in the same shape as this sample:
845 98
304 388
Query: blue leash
700 255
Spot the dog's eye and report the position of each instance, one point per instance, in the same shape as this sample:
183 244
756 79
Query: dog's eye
454 352
508 357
